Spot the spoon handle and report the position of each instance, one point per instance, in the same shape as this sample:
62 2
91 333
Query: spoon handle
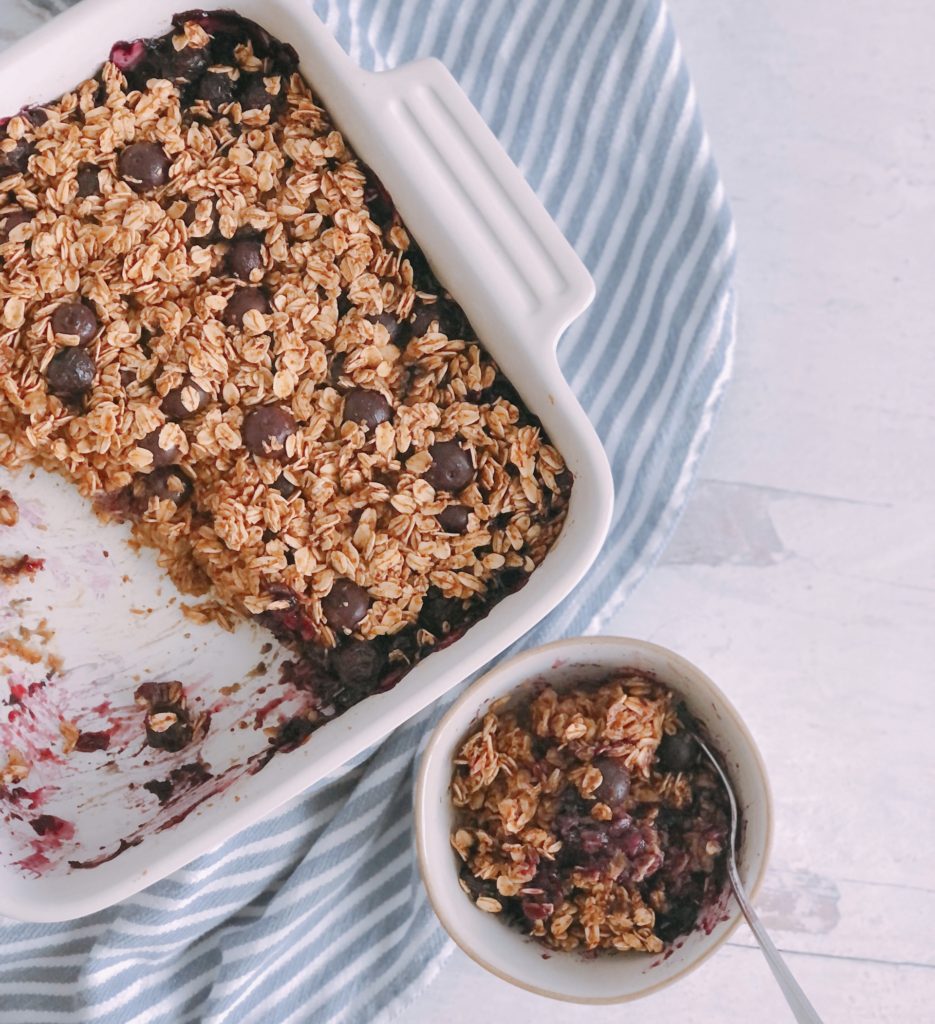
798 1002
795 997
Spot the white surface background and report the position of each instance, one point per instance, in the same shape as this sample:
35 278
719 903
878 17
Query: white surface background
802 577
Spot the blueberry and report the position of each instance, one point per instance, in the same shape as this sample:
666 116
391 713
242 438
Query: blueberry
454 519
186 400
14 160
184 65
336 367
266 428
241 302
11 220
244 256
535 911
161 456
451 469
367 407
451 321
89 180
285 487
678 920
676 753
564 480
211 233
615 784
70 373
345 605
169 484
144 166
592 839
160 788
632 842
36 116
423 278
378 201
424 317
217 88
439 613
358 665
293 732
75 319
396 330
255 96
128 56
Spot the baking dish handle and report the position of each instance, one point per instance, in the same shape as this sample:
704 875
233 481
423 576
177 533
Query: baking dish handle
477 194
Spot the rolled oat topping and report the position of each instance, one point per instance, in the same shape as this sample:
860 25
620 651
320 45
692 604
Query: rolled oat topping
573 825
213 321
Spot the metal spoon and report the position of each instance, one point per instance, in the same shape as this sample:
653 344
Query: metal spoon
795 997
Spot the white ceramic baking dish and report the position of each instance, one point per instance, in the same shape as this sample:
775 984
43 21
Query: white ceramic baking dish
115 617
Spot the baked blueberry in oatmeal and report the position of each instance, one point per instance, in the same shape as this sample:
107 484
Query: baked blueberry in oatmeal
214 323
587 818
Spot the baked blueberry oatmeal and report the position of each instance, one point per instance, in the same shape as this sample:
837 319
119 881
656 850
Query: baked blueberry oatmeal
215 324
588 819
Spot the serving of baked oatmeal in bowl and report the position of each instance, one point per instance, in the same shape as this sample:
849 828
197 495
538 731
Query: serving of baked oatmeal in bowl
571 835
218 332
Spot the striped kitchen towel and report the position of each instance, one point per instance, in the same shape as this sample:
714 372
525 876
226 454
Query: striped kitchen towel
317 914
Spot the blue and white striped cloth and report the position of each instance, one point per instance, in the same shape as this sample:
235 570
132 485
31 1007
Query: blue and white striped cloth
317 914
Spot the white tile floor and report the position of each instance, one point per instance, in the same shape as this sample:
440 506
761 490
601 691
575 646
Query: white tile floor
802 577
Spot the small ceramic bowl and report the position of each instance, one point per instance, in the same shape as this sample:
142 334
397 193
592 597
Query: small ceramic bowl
504 950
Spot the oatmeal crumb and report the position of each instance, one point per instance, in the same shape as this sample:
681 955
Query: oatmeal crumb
70 733
9 510
16 768
601 812
14 569
610 839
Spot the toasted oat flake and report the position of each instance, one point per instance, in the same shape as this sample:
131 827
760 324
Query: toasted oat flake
9 510
70 734
15 770
161 721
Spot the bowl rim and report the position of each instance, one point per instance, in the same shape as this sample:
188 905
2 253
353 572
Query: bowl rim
440 732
